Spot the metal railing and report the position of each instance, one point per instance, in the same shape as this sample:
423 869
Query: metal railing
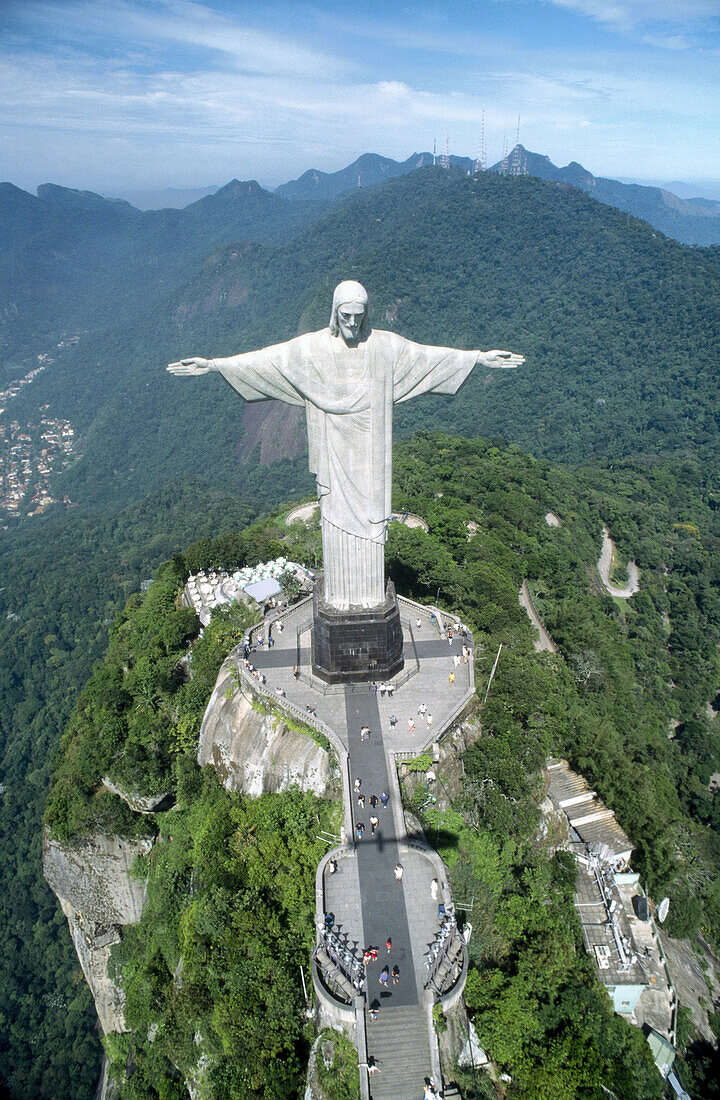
447 937
342 958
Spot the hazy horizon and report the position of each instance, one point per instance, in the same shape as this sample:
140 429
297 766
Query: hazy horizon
142 95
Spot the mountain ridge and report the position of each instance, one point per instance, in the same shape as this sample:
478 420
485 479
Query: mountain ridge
588 294
690 221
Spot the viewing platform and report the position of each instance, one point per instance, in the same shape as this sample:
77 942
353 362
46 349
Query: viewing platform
376 884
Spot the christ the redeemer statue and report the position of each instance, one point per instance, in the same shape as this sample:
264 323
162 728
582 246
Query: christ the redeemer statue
348 377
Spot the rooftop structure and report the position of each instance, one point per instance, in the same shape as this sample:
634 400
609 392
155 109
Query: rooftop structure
618 929
587 815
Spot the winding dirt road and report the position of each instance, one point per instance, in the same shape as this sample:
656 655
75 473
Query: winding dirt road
604 564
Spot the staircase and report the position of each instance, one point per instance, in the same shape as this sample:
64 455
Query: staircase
398 1042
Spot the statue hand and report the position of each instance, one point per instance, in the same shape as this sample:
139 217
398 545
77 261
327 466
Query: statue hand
191 366
500 360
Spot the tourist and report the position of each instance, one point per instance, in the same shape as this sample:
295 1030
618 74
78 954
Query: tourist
411 725
418 622
374 824
373 800
357 784
434 889
395 974
364 733
361 801
373 1014
384 798
451 678
429 719
398 871
295 672
332 866
280 690
388 944
393 721
422 709
359 830
384 975
367 956
374 954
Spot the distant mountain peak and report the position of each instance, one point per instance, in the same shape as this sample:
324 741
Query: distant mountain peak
70 198
238 189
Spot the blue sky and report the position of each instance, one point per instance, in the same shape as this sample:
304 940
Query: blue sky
113 95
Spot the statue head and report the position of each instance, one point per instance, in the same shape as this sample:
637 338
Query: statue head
349 316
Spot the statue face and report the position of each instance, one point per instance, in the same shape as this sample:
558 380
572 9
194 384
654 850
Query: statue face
350 318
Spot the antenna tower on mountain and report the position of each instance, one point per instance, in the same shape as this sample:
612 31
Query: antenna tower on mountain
359 180
517 167
434 152
504 169
481 162
445 158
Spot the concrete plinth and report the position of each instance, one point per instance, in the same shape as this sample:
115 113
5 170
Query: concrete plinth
358 644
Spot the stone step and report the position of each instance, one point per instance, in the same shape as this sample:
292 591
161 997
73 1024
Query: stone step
398 1041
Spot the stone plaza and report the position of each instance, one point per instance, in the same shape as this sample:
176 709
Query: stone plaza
360 902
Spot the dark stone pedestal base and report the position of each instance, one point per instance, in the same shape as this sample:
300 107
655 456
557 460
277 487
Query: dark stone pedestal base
359 644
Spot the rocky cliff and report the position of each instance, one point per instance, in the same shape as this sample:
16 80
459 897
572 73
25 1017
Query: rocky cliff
91 878
257 752
251 751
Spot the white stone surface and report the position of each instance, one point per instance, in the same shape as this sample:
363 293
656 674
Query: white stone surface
93 875
257 753
91 879
93 943
348 377
140 803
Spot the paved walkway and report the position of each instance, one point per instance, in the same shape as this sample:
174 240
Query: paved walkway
368 904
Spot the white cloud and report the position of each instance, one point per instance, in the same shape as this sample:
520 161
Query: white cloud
173 92
633 15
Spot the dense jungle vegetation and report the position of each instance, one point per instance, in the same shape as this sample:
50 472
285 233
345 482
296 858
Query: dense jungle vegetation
622 683
618 325
62 586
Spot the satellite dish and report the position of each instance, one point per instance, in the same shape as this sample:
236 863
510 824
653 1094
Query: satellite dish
662 909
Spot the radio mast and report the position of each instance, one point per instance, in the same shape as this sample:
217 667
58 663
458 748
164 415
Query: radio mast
481 162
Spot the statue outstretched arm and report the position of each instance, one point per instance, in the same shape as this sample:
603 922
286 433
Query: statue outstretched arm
256 375
500 360
188 367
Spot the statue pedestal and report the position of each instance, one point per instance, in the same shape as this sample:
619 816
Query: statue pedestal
363 643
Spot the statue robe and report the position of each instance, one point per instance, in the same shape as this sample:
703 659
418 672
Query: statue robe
349 427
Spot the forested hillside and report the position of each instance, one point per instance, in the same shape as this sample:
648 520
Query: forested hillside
619 326
691 221
623 681
617 323
73 261
61 589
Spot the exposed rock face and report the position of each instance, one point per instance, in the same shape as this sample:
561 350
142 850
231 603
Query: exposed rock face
257 753
140 803
93 943
91 879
